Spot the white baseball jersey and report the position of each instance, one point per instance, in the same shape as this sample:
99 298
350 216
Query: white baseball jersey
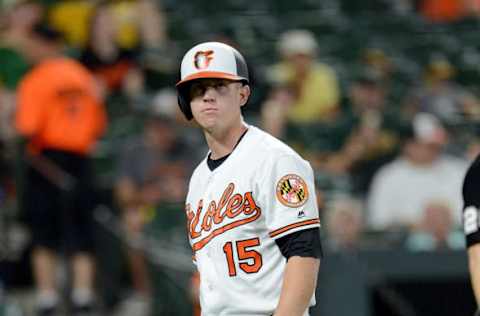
261 192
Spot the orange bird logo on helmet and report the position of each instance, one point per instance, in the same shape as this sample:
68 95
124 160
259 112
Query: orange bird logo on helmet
202 59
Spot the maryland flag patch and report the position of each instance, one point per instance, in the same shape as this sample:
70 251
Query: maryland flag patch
292 191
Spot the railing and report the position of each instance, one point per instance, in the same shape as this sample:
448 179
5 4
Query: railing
394 282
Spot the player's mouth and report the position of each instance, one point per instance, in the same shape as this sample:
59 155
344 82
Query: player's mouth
209 110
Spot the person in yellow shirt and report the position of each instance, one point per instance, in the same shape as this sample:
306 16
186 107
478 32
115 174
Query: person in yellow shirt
312 85
72 19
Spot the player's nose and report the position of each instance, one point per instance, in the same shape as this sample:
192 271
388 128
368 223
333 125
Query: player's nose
210 94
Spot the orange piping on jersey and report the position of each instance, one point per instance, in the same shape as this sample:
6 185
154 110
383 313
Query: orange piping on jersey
200 244
292 226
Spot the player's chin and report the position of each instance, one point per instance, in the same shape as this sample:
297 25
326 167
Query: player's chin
208 121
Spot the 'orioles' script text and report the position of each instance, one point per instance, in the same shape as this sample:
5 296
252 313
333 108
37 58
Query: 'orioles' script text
229 206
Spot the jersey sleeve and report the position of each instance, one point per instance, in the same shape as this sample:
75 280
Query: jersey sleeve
288 199
471 206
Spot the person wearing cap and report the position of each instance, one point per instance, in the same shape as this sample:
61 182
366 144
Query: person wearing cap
252 214
471 225
312 85
441 95
366 134
401 189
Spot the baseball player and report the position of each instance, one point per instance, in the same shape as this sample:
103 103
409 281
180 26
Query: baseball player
471 224
251 209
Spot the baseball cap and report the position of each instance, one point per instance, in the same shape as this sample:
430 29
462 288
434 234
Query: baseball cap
428 129
298 42
213 60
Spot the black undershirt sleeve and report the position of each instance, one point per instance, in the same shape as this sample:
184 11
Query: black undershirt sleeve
304 243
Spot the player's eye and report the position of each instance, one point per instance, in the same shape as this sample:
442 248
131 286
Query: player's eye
221 86
197 90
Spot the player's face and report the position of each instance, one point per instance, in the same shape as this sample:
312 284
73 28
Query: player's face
216 103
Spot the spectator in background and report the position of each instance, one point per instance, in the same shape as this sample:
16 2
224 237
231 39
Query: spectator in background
152 172
158 56
114 66
304 90
61 116
440 95
401 189
436 230
347 152
345 224
16 28
366 133
14 66
138 24
17 24
376 59
72 17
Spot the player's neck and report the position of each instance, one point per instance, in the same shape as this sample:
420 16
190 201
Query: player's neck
223 143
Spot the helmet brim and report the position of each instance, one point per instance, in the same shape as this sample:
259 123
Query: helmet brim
210 74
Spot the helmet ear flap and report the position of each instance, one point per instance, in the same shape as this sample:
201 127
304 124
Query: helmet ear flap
184 104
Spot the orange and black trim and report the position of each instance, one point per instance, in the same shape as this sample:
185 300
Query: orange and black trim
293 226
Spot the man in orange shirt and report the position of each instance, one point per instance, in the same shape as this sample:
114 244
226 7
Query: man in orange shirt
61 116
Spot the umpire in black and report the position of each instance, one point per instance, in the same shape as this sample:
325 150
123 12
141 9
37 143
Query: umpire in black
471 224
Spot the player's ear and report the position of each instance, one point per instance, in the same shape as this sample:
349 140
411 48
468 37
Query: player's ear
244 94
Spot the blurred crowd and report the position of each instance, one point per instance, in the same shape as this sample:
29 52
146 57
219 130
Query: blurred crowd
87 99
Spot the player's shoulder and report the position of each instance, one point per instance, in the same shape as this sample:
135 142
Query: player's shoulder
471 182
268 146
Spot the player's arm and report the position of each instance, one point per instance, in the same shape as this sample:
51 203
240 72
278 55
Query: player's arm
293 222
303 251
299 284
474 267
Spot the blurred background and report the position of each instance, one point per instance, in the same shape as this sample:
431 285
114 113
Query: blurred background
381 96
